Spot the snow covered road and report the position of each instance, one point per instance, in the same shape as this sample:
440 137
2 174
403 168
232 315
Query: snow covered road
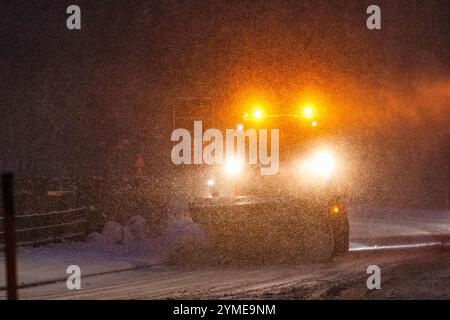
122 272
405 274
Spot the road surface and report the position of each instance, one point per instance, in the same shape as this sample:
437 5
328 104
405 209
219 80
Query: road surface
412 252
419 273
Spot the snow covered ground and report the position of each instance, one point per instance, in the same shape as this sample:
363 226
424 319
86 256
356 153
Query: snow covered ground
387 225
133 249
115 249
406 274
49 263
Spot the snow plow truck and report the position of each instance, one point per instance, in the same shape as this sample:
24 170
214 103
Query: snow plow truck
297 214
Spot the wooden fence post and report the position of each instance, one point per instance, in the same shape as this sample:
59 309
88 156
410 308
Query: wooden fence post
10 234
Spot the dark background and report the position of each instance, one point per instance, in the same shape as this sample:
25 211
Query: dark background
88 102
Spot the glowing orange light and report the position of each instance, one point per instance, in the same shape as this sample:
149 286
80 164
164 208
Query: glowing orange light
257 113
335 210
308 111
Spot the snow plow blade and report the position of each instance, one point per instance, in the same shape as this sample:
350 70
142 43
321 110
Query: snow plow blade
276 230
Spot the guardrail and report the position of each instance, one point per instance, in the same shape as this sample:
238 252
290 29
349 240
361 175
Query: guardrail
54 226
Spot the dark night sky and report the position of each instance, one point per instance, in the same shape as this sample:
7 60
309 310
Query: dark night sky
70 99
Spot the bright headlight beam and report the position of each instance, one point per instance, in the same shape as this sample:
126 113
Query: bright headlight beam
322 164
233 167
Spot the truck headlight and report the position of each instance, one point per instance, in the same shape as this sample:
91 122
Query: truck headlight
321 165
233 167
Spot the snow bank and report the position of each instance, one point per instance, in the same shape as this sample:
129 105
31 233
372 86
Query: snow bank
116 248
49 263
180 224
135 236
377 222
113 232
96 237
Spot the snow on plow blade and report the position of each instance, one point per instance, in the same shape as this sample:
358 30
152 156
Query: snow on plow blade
276 230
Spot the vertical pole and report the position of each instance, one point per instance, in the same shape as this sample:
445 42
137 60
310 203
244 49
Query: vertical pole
10 235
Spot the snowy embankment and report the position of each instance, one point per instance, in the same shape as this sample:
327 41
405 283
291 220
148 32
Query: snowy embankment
387 225
116 248
119 248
